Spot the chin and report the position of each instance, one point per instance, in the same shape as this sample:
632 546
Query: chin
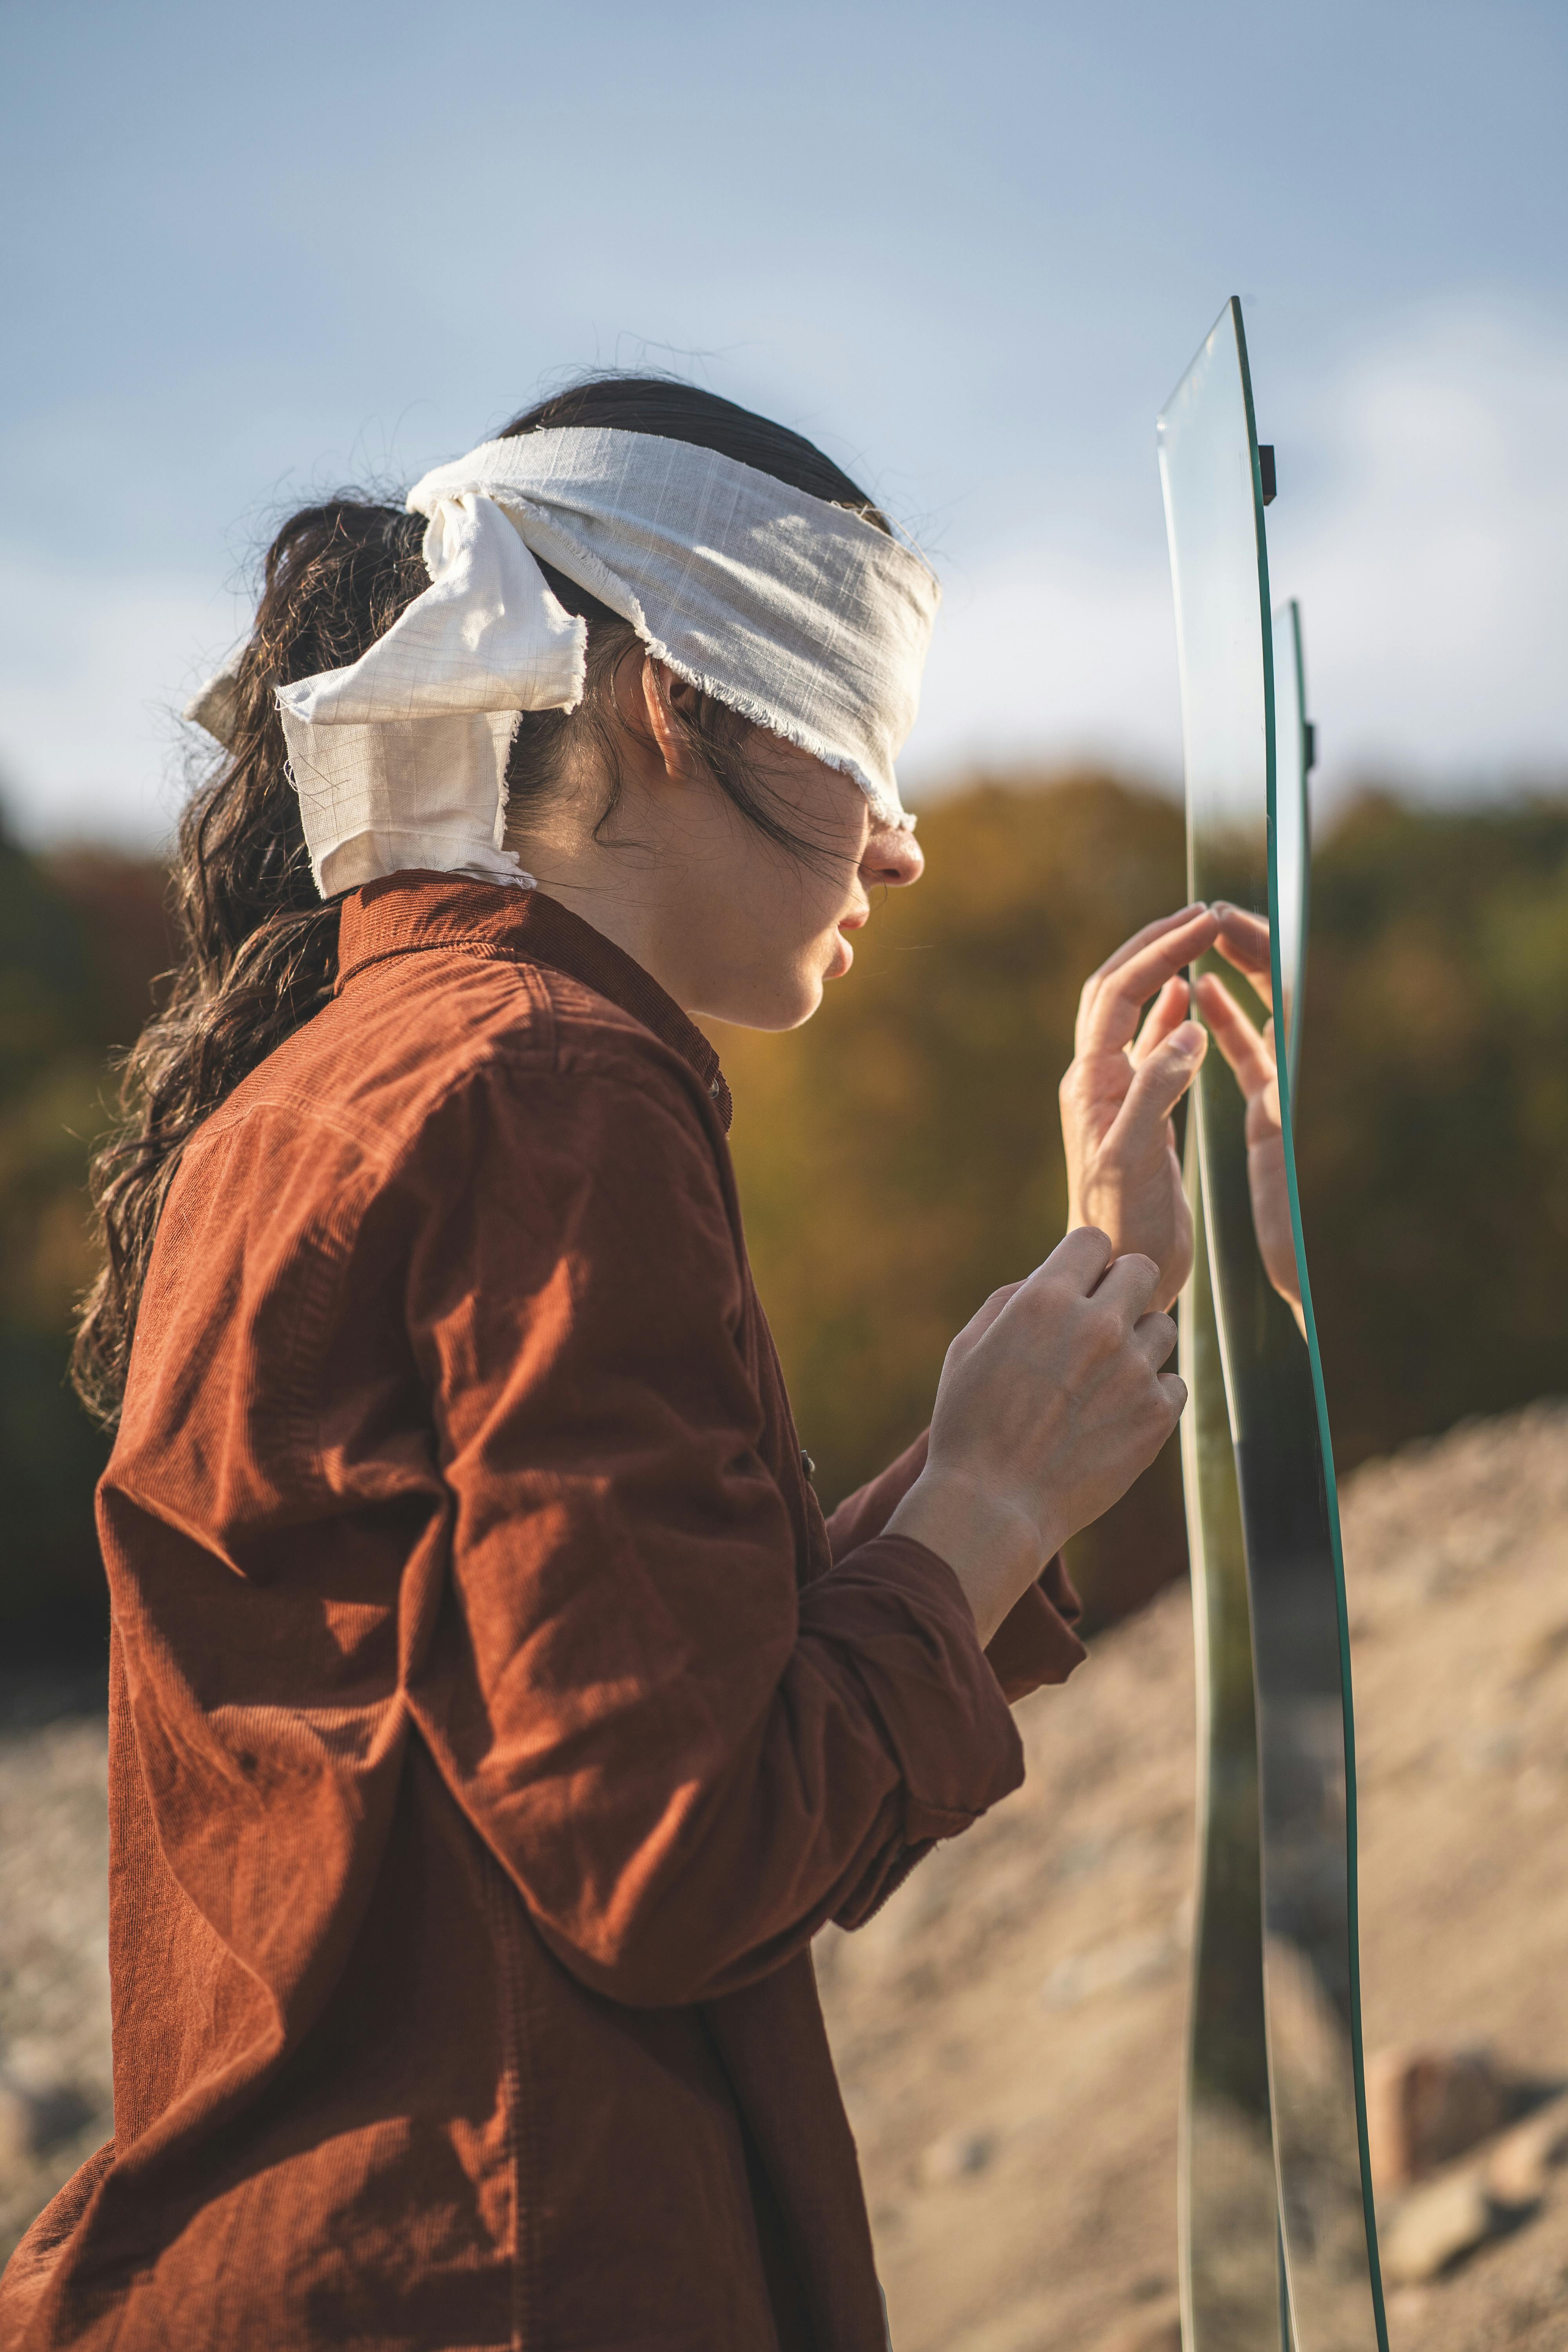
793 1010
774 996
779 1008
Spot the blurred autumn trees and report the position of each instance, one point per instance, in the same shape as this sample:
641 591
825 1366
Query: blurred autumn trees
899 1157
1434 1118
81 935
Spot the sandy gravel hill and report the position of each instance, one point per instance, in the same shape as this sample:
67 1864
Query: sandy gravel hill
1010 2029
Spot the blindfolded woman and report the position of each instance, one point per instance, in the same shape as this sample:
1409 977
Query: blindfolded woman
495 1717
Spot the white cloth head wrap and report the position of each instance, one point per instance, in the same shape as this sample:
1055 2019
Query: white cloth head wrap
800 615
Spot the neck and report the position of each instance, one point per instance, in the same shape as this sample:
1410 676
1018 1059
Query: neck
622 888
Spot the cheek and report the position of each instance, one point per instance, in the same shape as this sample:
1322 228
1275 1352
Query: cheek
824 904
797 908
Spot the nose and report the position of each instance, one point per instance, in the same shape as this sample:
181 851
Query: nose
891 858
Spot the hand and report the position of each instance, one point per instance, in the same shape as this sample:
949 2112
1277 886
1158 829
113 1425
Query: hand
1243 940
1124 1083
1051 1403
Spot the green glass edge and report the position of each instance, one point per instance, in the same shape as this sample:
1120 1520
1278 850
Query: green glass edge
1320 1394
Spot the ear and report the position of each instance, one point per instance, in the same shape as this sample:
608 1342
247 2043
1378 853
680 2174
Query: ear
662 692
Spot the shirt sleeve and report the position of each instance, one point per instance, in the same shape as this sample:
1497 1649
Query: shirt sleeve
1035 1643
685 1762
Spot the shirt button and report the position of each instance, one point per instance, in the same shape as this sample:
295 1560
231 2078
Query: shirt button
714 1089
807 1464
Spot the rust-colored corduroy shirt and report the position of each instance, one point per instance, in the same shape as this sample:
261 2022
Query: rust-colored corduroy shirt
494 1719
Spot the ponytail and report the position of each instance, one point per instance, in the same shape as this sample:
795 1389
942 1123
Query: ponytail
259 950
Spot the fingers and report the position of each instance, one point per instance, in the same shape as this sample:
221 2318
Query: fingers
1157 1088
1155 930
1078 1262
980 1322
1115 995
1130 1285
1079 1258
974 1330
1243 1047
1243 941
1156 1335
1085 1263
1168 1010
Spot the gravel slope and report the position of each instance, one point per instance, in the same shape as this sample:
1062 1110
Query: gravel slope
1010 2029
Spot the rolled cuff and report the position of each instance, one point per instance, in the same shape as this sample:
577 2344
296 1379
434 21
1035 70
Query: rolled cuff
940 1707
1034 1643
941 1713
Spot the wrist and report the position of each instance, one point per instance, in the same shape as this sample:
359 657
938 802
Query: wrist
994 1545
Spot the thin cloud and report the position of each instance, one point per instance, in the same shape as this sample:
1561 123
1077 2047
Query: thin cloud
1422 522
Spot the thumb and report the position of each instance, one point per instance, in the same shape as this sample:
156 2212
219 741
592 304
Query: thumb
1162 1081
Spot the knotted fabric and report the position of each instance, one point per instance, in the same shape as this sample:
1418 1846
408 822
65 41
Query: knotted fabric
800 615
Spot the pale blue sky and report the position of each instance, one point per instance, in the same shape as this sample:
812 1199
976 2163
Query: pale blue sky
252 254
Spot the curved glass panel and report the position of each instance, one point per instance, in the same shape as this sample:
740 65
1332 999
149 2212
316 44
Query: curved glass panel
1273 1392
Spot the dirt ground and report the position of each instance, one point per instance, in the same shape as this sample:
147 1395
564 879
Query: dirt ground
1010 2029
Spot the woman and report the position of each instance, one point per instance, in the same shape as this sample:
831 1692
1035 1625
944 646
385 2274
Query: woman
494 1717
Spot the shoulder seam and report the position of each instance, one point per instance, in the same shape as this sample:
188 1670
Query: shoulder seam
387 1163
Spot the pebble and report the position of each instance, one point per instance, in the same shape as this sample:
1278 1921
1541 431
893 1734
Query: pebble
1109 1967
1425 2106
1520 2164
1438 2224
954 2156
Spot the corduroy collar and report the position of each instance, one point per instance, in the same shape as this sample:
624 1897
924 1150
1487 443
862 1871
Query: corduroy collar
408 912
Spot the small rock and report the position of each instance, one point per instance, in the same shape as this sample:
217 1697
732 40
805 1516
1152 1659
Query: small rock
1110 1968
1520 2162
955 2157
1425 2106
1438 2224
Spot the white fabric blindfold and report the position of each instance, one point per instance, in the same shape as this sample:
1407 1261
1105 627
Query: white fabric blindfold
798 614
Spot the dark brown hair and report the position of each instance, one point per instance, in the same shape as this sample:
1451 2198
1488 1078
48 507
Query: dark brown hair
259 949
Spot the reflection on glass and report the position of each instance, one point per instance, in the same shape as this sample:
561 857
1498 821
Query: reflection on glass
1283 1509
1294 755
1229 2205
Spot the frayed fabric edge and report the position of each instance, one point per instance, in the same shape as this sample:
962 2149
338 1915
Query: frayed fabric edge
589 571
886 807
